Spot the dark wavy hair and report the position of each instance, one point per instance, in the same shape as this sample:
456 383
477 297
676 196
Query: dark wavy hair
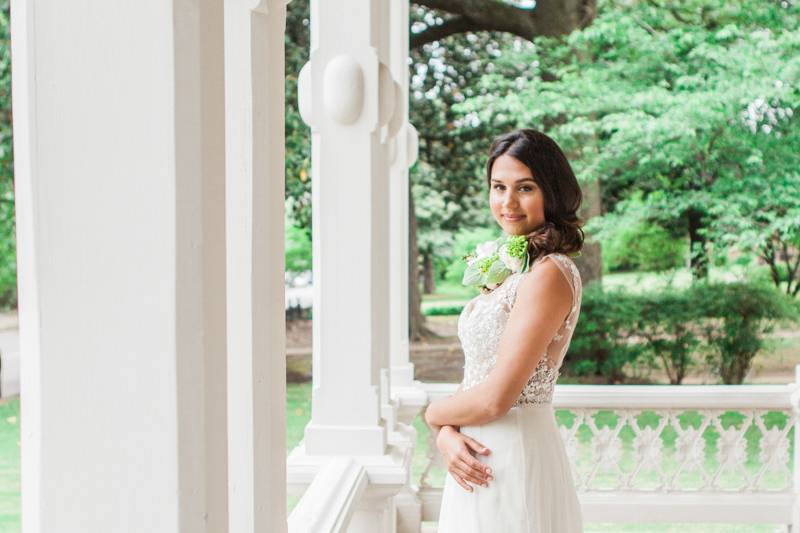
551 171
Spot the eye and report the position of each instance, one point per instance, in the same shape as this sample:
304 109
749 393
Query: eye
498 186
526 188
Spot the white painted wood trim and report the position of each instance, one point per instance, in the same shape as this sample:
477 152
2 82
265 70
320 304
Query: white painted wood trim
621 507
656 396
254 104
328 503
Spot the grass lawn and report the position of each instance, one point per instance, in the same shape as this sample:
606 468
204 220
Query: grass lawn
9 466
298 413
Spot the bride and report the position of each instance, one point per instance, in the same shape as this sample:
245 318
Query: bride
507 467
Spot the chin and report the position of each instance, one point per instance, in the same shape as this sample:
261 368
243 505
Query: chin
513 230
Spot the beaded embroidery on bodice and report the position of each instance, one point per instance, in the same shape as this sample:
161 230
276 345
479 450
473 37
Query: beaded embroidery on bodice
484 318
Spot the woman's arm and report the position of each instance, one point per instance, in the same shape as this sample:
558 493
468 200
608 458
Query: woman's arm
436 428
544 298
458 452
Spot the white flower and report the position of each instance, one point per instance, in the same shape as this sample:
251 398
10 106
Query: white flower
486 249
486 269
514 264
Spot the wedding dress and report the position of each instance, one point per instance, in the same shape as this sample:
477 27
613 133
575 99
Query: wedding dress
533 489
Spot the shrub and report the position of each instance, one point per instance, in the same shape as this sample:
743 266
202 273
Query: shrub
737 316
619 333
602 344
445 310
666 324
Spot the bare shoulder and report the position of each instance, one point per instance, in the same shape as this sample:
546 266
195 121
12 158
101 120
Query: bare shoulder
545 286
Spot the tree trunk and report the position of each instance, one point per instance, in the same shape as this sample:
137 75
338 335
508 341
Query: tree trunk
698 256
590 262
417 330
428 273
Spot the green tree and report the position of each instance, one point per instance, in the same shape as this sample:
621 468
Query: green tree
453 43
8 256
658 100
298 249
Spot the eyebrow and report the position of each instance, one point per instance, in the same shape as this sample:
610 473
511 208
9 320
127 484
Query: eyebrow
518 181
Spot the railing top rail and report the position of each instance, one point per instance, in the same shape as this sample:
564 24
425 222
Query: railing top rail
328 503
658 396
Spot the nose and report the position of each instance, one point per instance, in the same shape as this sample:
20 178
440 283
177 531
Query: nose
510 199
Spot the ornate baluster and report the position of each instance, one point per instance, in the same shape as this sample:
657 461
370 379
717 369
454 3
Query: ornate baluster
434 458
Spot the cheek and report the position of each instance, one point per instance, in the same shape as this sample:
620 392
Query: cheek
535 206
494 202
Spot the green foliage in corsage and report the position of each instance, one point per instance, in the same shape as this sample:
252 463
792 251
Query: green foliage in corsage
493 261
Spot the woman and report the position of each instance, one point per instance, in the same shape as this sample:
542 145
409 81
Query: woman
507 467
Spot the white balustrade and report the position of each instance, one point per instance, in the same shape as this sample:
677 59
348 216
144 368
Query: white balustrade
668 453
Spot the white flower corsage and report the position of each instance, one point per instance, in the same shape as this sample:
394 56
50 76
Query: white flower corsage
493 261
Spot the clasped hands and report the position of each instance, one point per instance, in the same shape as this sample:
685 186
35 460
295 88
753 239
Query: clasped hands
458 452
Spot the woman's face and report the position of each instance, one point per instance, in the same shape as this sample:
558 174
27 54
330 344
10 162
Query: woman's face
516 201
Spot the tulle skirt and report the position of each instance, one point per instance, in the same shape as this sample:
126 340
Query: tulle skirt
532 491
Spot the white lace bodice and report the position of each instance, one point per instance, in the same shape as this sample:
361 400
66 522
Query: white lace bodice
484 318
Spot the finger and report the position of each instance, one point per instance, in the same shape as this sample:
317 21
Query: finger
475 466
465 477
468 475
460 481
477 446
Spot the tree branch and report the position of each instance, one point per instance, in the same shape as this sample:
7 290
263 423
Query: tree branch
549 18
768 254
449 27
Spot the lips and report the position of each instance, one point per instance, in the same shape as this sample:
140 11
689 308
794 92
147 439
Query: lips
514 218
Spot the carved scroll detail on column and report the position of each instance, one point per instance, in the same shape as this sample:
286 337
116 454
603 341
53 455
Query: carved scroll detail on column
304 97
386 95
396 122
343 91
412 145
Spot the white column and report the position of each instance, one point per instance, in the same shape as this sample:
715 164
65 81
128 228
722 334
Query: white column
254 103
407 398
403 155
347 96
402 368
118 153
